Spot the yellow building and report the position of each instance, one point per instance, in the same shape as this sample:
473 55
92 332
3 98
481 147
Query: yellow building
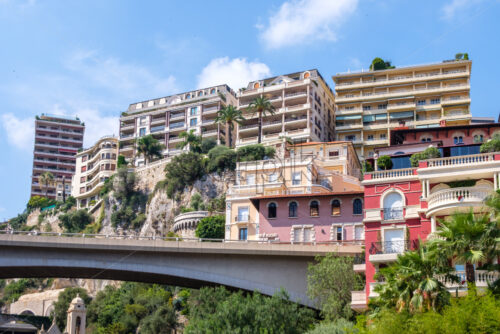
307 168
369 104
304 109
93 167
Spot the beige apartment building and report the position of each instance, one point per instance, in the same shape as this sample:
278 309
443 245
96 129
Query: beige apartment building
370 104
93 167
165 118
309 168
304 110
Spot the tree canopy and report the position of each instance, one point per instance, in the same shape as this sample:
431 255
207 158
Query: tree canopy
211 227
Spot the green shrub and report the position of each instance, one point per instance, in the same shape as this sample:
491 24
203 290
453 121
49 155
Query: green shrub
384 162
207 144
367 167
379 64
121 162
492 145
184 170
211 227
255 152
18 222
39 202
428 153
221 159
75 222
340 326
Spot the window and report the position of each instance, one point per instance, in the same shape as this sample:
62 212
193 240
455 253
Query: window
333 154
338 233
142 120
193 111
394 241
82 190
82 179
383 136
84 169
192 122
457 140
382 106
314 209
273 177
303 233
188 96
369 137
335 207
250 179
212 91
425 139
435 101
359 233
393 206
296 177
357 207
271 210
478 138
420 102
292 209
142 132
242 214
367 107
350 138
243 234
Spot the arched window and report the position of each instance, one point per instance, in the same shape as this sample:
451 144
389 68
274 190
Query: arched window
478 138
188 96
457 140
212 91
200 93
307 75
256 85
292 209
393 206
357 207
335 207
271 210
314 209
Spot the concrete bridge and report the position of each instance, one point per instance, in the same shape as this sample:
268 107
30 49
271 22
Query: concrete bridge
261 266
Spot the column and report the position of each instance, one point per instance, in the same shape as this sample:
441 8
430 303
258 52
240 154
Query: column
433 224
495 180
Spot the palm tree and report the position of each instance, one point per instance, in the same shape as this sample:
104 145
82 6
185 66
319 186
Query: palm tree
261 106
228 116
467 238
190 139
412 282
150 148
46 180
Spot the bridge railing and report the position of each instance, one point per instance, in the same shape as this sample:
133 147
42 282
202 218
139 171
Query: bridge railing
155 237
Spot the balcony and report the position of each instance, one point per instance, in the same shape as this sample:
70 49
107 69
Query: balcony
177 125
210 110
393 213
387 251
482 278
447 201
395 174
358 300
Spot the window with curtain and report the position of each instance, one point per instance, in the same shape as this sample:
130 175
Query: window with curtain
314 209
335 207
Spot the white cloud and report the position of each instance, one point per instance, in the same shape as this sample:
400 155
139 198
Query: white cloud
93 87
300 21
19 131
235 72
110 73
451 9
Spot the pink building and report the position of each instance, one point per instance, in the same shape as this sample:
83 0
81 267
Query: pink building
311 217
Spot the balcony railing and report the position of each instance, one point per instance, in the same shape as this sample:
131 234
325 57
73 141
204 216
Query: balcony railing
176 125
391 247
461 160
242 218
393 213
482 278
390 174
454 196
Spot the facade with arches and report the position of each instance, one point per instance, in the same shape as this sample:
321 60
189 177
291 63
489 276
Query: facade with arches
404 205
324 217
304 109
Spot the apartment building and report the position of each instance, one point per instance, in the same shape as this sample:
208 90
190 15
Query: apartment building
165 118
57 140
370 104
405 204
304 110
94 166
271 198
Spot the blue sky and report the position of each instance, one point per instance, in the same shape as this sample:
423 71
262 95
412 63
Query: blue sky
93 58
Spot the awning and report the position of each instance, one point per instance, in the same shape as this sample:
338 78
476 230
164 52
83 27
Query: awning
343 118
401 114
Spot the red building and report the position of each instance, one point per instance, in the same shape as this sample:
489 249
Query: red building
404 204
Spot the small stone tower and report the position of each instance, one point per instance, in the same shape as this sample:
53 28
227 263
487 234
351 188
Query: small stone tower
76 316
